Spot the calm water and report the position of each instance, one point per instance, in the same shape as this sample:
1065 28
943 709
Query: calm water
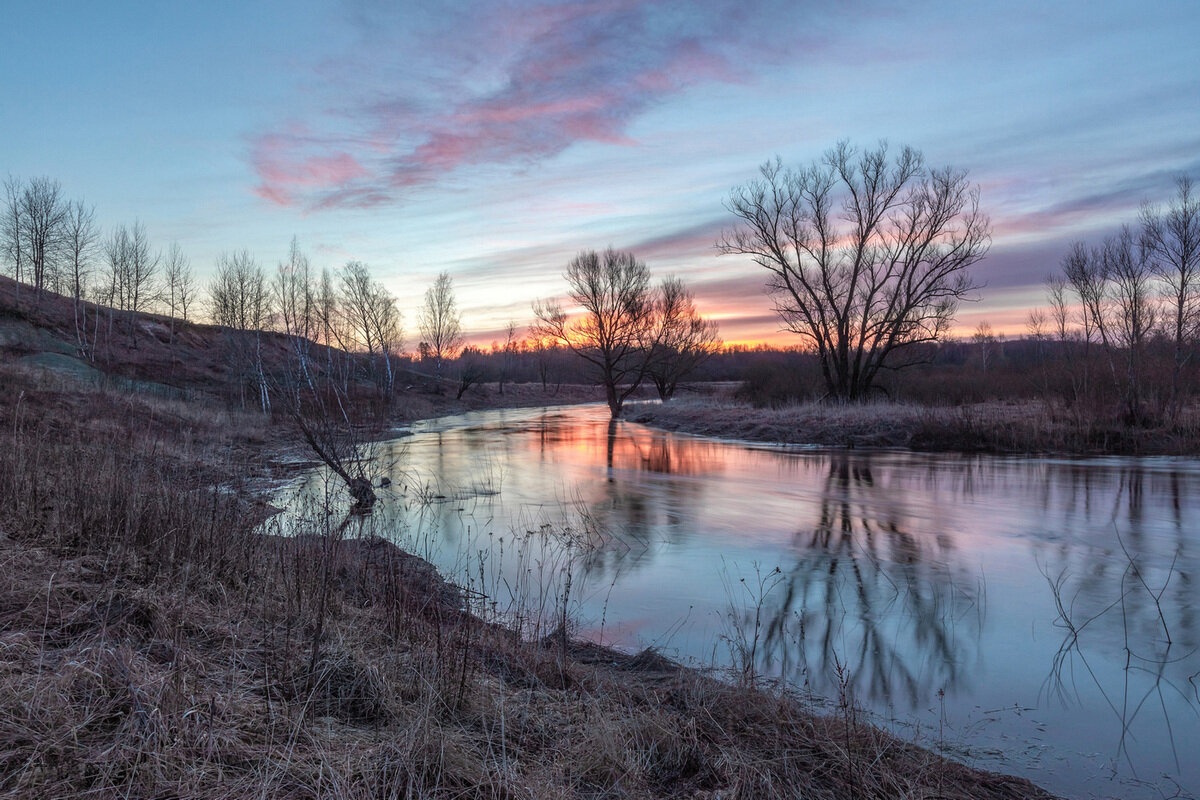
1036 615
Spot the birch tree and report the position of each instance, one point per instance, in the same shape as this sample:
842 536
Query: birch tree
295 301
80 242
44 213
177 284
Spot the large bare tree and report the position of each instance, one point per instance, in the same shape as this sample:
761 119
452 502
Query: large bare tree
868 254
616 330
440 322
1125 260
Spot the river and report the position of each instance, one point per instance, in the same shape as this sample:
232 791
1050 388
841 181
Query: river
1037 616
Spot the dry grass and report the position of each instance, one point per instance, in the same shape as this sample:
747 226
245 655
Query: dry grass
993 427
154 644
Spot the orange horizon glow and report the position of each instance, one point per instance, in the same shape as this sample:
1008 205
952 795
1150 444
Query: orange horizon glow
750 330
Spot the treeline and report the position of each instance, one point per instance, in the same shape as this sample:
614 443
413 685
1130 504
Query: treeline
52 245
1116 341
339 324
1035 366
1125 317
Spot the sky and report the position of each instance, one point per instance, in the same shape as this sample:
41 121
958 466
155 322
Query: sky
497 140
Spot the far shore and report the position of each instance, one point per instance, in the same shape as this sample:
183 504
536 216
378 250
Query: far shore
1022 427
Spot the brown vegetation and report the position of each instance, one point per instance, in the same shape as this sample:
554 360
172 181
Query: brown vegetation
157 643
1018 427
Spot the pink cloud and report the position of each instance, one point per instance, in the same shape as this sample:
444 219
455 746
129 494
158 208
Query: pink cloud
509 86
284 170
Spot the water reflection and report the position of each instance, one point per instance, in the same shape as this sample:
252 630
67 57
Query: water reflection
1045 601
867 591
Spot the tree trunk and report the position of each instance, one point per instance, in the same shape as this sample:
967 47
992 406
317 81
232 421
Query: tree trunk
614 399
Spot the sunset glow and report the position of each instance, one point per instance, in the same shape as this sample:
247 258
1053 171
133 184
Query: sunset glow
496 142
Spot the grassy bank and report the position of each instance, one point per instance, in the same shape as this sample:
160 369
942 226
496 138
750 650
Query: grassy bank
155 645
994 427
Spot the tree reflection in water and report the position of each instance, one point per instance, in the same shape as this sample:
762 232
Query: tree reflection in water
860 586
869 594
1124 601
882 558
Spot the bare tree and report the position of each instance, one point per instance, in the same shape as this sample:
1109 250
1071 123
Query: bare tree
1036 329
1125 262
237 294
116 253
1060 310
685 339
373 319
318 401
1172 239
389 332
186 289
471 370
543 350
615 332
238 300
134 269
868 255
80 240
985 341
176 288
358 298
12 231
1114 287
332 329
440 322
296 303
45 215
338 445
1081 276
1084 271
508 352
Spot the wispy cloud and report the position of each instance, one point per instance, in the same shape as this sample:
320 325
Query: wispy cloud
690 242
1109 199
510 87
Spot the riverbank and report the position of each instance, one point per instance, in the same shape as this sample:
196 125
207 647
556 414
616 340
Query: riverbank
156 644
995 427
